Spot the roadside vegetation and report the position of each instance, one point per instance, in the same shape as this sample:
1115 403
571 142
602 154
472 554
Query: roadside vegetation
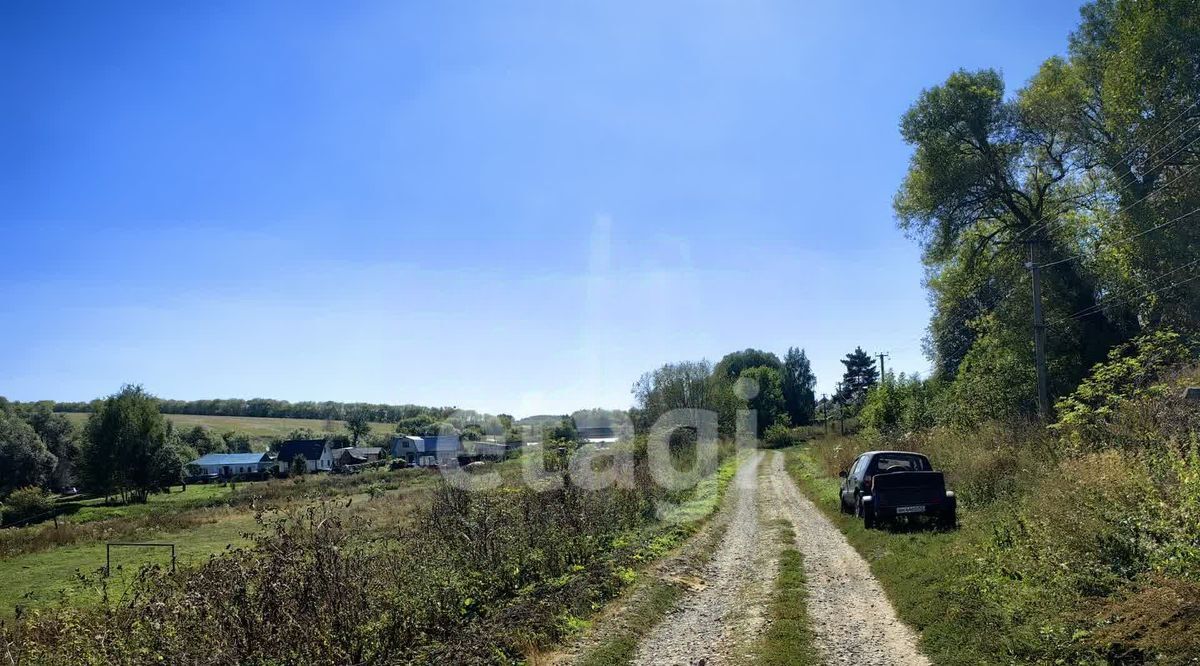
472 577
1078 543
1080 537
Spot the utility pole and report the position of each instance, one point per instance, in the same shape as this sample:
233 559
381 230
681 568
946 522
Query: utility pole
882 374
825 406
841 408
1039 332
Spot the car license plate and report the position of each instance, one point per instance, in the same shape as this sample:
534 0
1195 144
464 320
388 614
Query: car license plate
910 509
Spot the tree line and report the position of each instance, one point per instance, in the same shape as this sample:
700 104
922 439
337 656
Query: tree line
781 392
270 408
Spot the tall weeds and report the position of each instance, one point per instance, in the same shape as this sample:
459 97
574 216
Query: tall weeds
478 577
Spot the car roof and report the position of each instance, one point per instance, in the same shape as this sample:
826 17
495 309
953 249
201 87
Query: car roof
907 453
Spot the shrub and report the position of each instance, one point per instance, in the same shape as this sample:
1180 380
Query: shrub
1132 372
26 504
779 436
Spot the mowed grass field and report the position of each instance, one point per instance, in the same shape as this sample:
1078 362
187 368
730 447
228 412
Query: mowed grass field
255 426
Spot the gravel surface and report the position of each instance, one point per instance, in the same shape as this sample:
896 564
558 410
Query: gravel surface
853 620
719 618
723 613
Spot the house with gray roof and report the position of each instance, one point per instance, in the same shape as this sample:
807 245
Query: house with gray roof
230 465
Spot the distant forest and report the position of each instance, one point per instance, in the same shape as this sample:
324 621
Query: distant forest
266 407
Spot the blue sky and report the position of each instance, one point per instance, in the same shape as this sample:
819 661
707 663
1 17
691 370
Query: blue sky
513 207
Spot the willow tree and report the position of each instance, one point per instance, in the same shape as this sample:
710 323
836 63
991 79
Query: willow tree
993 183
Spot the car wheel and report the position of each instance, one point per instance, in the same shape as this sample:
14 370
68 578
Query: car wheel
866 512
948 519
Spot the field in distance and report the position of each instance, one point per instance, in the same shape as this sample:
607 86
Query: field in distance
258 427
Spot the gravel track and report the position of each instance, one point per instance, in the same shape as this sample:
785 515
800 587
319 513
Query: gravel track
720 618
715 622
852 618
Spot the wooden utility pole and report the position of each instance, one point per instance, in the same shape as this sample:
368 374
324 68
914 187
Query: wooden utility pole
841 408
825 406
1039 333
882 374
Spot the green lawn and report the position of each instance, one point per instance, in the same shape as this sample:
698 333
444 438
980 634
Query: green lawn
86 511
38 579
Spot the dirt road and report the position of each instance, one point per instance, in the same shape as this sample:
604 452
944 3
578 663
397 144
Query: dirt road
718 621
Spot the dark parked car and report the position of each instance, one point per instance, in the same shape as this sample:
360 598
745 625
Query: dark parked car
883 485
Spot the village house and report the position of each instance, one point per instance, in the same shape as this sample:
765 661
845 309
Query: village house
316 452
230 465
356 455
431 451
494 450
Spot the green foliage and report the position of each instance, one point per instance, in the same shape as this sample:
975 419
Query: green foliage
732 365
859 377
237 442
1132 371
685 385
996 382
767 401
126 435
203 440
799 385
780 436
562 432
901 405
24 458
61 438
358 424
25 504
1098 146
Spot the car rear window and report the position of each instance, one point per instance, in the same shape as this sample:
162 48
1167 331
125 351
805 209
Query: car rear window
900 462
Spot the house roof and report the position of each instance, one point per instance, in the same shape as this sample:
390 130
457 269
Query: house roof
309 448
440 443
359 451
432 443
231 459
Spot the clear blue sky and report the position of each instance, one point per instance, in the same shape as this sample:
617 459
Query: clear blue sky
513 207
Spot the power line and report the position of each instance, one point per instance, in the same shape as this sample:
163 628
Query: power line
1158 278
1040 225
1113 300
1125 239
1134 176
1162 129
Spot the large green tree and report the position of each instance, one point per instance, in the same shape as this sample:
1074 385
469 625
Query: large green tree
125 437
994 183
684 385
61 438
860 375
766 396
24 458
358 424
799 386
1091 168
